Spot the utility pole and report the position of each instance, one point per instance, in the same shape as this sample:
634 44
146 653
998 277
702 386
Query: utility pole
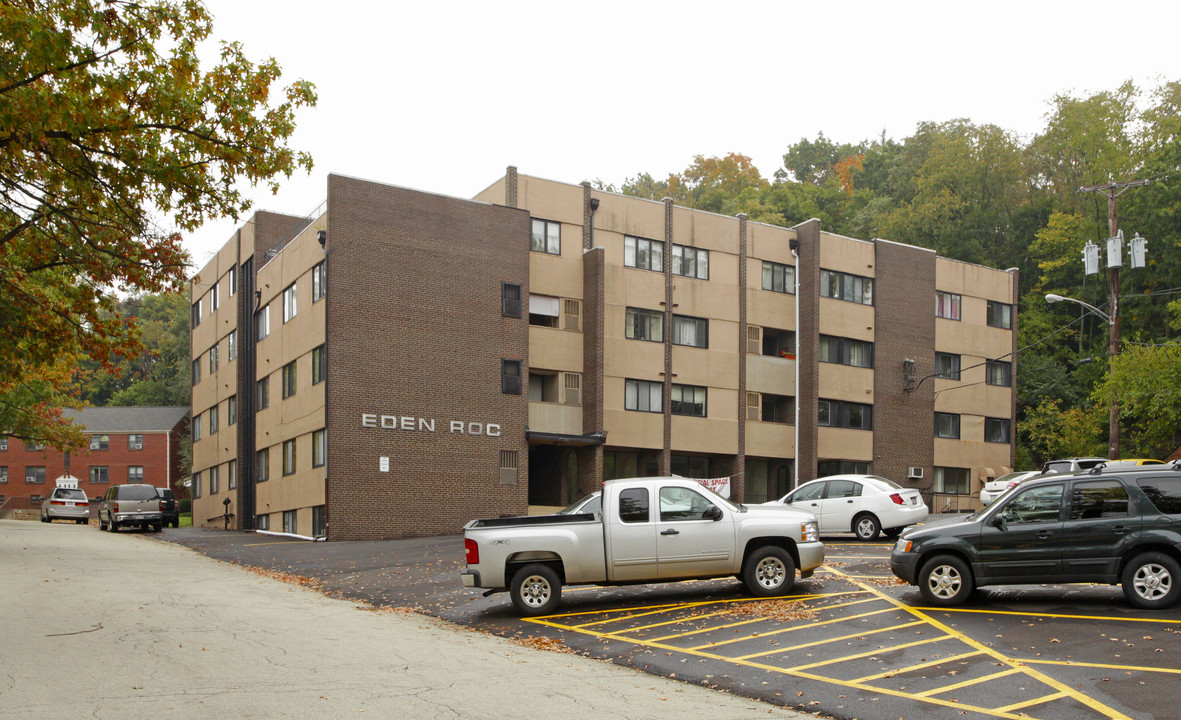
1112 191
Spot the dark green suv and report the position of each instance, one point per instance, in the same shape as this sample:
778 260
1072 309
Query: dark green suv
1098 526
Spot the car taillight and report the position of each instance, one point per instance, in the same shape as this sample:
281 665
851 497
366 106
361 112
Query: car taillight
1012 483
114 507
472 551
57 502
896 498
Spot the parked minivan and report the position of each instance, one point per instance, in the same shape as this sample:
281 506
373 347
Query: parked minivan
1073 464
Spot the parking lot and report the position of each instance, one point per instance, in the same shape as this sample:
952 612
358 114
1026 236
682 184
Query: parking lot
849 643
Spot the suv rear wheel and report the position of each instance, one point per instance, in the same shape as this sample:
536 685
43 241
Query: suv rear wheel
1152 581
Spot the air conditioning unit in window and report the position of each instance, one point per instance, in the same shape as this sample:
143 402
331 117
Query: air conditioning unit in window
915 473
137 446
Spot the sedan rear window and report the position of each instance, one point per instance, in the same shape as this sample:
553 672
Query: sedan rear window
69 493
882 482
1165 493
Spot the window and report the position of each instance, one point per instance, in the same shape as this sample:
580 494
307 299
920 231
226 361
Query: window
546 237
319 521
777 343
289 525
213 300
232 342
677 503
319 364
4 443
233 280
262 393
232 410
135 474
947 425
232 474
3 473
825 468
262 522
953 481
1164 493
841 414
135 442
543 310
510 300
1099 499
197 484
643 254
212 359
996 430
644 396
32 445
319 282
196 427
687 400
779 278
843 286
197 371
196 317
262 323
214 480
213 419
1041 504
288 379
510 377
262 465
947 366
777 408
289 306
319 448
100 442
1000 315
633 505
690 262
644 325
100 474
690 331
947 305
845 351
998 372
35 474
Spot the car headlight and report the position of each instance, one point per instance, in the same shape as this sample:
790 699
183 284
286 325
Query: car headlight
903 545
809 532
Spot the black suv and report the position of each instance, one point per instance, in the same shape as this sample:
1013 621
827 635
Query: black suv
168 506
1099 526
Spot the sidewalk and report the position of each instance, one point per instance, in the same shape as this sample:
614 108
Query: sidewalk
124 626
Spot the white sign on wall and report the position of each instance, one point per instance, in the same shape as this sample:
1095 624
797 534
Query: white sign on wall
383 464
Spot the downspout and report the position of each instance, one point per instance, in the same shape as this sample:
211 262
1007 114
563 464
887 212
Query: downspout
794 244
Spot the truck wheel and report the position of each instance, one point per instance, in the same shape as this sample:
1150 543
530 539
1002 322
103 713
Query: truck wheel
945 580
769 571
1151 581
536 590
866 527
114 526
101 525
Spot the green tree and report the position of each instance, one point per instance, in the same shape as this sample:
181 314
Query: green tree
107 123
1146 382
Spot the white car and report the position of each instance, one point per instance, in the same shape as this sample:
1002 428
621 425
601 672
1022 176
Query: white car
993 489
861 504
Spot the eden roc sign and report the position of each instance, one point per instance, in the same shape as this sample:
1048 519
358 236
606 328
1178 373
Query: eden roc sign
409 423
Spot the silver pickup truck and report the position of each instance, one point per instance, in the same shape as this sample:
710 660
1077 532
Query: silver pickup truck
650 530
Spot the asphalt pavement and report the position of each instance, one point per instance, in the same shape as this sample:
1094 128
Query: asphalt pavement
125 626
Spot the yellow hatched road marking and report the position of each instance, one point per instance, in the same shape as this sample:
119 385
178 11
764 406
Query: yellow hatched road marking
1129 668
793 628
871 653
1047 615
1031 703
755 620
1040 676
968 683
826 641
920 666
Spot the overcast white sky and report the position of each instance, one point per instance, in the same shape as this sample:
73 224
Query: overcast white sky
442 96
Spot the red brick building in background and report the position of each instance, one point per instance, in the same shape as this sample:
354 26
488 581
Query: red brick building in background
127 444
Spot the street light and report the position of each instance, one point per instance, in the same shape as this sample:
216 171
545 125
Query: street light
1052 298
1112 351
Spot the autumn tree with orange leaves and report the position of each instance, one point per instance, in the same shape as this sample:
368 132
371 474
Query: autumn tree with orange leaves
108 124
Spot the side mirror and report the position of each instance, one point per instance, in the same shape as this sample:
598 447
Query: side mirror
997 521
713 513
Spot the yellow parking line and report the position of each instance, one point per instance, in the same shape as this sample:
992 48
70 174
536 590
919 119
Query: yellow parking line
793 628
1105 666
920 666
1031 703
1047 615
967 683
826 641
